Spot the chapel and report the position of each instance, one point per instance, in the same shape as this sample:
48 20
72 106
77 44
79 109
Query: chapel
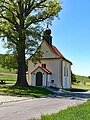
54 69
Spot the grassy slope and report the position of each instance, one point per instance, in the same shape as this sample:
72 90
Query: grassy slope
9 79
81 86
80 112
84 82
6 70
82 78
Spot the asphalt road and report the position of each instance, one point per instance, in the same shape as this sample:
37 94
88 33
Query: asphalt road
34 108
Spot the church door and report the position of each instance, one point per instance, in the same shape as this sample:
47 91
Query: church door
39 78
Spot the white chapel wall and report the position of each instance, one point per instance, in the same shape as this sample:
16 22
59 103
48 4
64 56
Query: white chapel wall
52 65
66 75
47 51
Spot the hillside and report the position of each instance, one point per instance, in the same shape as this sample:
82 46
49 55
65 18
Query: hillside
82 78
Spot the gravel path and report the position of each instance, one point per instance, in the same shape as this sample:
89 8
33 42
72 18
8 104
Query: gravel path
27 108
7 98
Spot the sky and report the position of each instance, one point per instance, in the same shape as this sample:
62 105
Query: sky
71 34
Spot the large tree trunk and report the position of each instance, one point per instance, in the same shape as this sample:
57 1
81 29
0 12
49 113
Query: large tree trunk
21 77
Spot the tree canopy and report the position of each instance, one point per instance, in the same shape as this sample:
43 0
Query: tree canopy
8 61
21 27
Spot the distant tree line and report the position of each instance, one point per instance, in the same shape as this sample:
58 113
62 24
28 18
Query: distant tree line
8 61
73 77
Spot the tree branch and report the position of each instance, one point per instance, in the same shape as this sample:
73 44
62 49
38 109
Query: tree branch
32 6
10 12
8 35
40 19
16 26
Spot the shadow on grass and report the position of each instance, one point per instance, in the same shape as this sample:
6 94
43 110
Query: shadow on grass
74 90
39 92
24 91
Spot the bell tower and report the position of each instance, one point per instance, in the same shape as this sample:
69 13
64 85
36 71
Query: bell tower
47 36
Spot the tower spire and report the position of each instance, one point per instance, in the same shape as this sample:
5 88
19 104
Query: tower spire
47 35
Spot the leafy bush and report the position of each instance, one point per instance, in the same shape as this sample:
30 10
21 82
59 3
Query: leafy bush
73 77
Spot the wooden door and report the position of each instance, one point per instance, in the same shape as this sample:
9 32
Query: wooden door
39 78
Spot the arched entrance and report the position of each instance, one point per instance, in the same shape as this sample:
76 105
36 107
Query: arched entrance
39 78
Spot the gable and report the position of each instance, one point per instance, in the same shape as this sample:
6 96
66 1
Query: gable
51 52
47 51
43 69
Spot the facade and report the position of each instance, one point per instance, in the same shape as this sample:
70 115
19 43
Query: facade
54 69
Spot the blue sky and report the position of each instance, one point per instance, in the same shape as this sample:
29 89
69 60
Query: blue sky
71 34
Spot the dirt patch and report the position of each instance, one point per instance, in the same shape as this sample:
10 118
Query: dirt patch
3 73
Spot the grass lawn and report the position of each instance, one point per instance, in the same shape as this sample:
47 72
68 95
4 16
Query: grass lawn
78 88
81 86
80 112
82 78
6 70
24 91
8 79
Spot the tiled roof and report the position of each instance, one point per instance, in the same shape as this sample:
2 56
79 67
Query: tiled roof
59 54
57 51
44 69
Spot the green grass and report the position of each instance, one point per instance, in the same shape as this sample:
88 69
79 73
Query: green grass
81 86
9 79
82 78
7 89
80 112
6 70
74 90
24 91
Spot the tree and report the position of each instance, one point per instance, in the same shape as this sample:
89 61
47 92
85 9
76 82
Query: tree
9 61
73 77
20 27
